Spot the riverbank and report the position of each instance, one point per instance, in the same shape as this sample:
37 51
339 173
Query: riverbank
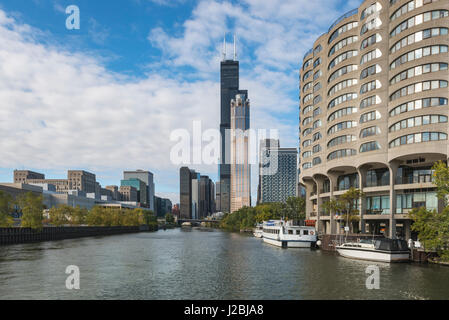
9 236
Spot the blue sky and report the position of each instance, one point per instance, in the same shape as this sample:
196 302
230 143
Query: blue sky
106 98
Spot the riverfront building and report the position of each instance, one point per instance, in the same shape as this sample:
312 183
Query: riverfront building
240 166
229 88
147 178
373 113
277 172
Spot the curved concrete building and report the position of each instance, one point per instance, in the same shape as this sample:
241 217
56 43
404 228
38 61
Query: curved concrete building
374 112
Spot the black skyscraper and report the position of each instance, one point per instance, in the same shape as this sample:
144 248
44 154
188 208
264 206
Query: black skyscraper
229 79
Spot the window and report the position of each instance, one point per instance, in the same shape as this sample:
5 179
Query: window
375 38
307 98
316 148
370 131
307 75
418 104
407 7
317 62
341 99
340 140
370 101
317 49
417 71
316 136
317 99
317 75
418 54
307 154
418 19
342 85
307 165
307 87
370 116
370 86
418 138
371 70
342 71
306 121
317 87
417 37
418 121
317 112
375 7
341 113
342 43
341 154
418 87
369 146
316 124
342 126
342 57
307 132
307 109
374 54
307 143
306 64
342 29
370 25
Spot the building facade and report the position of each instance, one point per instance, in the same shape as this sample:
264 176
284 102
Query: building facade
373 113
21 176
278 175
240 166
148 178
128 194
141 187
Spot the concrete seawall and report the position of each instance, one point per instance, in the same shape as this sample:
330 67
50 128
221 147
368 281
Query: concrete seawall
10 236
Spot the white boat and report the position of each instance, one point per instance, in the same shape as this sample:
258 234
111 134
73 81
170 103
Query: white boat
186 224
258 231
381 250
283 234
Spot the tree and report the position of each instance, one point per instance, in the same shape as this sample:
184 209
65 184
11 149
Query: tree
6 207
60 215
169 218
296 208
79 216
441 180
433 229
349 201
32 210
332 206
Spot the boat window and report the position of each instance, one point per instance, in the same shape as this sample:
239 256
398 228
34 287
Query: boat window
305 232
290 231
298 231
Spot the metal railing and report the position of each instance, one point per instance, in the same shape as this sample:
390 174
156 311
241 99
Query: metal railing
346 15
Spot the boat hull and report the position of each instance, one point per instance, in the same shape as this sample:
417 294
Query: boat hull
258 234
288 243
374 255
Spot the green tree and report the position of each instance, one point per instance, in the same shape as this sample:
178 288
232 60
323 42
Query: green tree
79 216
296 208
349 201
32 210
60 215
433 229
6 207
169 218
441 180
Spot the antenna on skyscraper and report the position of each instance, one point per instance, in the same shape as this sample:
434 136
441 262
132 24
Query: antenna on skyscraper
224 47
235 50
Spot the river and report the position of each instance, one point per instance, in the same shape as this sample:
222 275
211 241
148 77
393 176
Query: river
203 264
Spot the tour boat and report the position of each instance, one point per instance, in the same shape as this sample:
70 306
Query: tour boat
381 250
283 234
258 231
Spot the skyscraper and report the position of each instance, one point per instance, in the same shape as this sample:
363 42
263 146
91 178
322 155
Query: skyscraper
240 166
229 82
147 178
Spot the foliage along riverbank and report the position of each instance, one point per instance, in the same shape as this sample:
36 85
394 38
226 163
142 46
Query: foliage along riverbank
247 217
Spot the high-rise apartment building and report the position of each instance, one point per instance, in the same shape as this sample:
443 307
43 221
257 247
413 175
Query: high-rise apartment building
148 179
229 88
240 166
278 174
374 113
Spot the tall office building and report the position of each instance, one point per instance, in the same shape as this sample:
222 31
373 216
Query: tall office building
195 194
141 187
147 178
229 82
374 113
185 193
240 166
277 175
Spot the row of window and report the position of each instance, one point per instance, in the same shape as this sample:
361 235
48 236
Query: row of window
417 37
341 99
417 71
369 146
370 131
409 6
375 38
370 116
343 29
418 19
341 113
375 7
340 140
370 86
342 43
367 57
370 25
342 85
418 138
317 99
418 121
317 62
307 109
317 74
418 104
370 101
317 87
341 154
307 75
306 64
307 86
342 57
342 71
341 126
418 87
418 54
371 70
307 98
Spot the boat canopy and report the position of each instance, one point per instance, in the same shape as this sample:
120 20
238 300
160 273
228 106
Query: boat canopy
391 244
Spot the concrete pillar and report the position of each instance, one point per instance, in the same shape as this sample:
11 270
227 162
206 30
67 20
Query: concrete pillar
393 167
308 184
408 233
362 203
333 177
319 187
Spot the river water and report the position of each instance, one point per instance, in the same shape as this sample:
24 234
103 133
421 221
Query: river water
203 264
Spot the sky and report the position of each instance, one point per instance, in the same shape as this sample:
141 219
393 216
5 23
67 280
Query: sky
109 96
